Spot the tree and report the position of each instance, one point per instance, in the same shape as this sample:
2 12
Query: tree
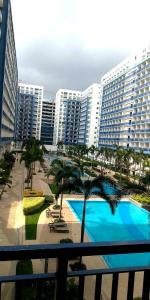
97 186
146 180
60 145
62 170
33 152
93 149
82 165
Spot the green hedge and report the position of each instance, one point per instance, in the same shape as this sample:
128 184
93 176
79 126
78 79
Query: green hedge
143 198
32 204
25 290
49 199
24 267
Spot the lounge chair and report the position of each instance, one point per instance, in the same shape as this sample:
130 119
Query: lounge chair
48 213
54 225
54 214
61 229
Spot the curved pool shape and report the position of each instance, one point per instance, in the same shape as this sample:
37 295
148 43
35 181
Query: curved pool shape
129 223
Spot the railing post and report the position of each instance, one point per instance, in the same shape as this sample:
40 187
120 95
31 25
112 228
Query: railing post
46 266
146 285
81 287
61 278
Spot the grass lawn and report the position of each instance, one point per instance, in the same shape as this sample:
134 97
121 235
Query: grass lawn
31 223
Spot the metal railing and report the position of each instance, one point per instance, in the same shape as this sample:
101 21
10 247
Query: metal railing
63 253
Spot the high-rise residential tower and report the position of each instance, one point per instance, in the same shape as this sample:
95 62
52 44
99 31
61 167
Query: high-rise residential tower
72 121
61 110
77 116
125 112
47 127
24 116
8 74
37 92
90 115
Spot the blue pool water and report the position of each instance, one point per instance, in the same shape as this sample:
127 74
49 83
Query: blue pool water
129 223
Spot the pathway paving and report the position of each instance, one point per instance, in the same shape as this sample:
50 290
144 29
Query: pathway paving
9 227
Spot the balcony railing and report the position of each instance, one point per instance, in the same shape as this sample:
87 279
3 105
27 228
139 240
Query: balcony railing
63 253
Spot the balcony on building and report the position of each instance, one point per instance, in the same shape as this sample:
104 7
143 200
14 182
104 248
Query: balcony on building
90 281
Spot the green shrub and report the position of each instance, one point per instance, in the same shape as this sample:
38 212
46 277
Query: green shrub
77 266
72 290
69 241
143 198
32 204
56 206
24 267
49 199
25 290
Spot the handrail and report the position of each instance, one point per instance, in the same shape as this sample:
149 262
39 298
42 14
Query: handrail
68 250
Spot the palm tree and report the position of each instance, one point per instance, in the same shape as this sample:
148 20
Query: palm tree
93 149
32 154
60 145
146 180
82 165
101 154
62 170
97 186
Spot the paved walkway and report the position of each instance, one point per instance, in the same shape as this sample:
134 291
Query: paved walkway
9 226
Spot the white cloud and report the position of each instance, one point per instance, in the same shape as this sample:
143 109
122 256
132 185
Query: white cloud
93 26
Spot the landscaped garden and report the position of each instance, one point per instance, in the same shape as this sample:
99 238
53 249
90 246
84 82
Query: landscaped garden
32 208
6 164
68 179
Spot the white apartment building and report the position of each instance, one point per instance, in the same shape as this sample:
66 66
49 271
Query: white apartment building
125 111
37 92
87 124
62 96
90 115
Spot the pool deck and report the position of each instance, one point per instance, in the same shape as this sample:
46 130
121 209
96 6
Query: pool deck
13 232
44 236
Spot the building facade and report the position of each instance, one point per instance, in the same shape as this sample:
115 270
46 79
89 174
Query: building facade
72 121
37 92
47 125
24 120
90 115
61 108
77 116
125 112
8 74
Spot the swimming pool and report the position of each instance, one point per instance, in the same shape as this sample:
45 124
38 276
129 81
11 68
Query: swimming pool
129 223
